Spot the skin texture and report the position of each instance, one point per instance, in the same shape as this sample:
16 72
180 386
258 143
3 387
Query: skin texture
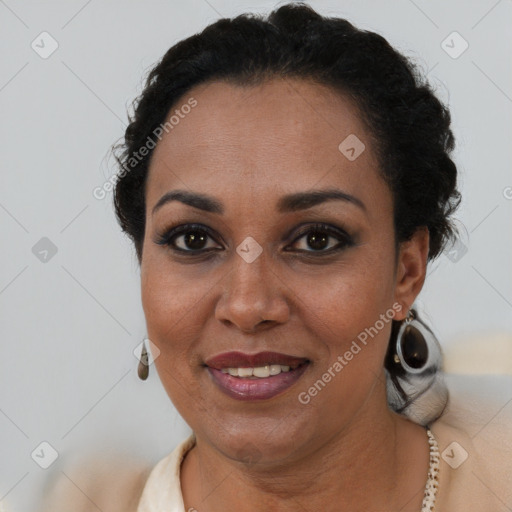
248 146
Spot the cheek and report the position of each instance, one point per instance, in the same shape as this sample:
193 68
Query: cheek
170 293
171 304
351 318
172 307
349 297
349 312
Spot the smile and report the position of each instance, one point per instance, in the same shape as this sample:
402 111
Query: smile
271 373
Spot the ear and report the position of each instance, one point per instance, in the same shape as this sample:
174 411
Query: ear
411 270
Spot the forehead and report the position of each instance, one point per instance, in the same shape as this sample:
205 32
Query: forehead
282 134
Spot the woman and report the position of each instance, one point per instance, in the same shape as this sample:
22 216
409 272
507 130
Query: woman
285 182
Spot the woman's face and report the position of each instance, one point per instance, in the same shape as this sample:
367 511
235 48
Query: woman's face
262 277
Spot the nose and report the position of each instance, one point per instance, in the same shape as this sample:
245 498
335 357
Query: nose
254 296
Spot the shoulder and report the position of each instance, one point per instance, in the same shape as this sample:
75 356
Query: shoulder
475 443
163 487
118 483
105 481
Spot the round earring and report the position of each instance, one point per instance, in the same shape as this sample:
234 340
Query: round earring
412 347
143 368
414 379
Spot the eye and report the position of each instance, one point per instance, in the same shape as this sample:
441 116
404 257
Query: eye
192 238
198 239
320 237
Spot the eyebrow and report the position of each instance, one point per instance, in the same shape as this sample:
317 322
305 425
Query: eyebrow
289 203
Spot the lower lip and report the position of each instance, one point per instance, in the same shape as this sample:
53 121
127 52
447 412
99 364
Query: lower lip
256 389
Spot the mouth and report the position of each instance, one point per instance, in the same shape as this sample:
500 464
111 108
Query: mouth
255 376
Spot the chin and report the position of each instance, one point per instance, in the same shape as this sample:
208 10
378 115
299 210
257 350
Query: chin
262 441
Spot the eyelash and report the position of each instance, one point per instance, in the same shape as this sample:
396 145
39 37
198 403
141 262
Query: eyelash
168 238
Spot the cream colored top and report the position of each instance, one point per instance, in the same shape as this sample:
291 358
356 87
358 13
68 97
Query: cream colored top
475 473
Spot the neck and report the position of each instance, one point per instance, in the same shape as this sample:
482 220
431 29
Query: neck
378 462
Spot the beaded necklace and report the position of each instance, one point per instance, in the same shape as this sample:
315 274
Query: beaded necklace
433 475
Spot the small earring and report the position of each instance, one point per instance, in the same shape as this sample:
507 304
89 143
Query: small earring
143 368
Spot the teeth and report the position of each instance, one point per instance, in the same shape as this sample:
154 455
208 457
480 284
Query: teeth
260 372
275 369
244 372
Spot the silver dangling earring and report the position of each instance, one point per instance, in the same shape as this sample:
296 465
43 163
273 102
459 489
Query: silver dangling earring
415 384
143 368
412 350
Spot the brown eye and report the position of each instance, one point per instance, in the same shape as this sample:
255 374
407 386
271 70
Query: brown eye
188 238
193 240
323 238
317 240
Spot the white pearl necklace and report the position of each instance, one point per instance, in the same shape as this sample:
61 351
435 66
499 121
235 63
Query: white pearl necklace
433 475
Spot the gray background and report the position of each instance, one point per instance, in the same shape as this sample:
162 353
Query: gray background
69 324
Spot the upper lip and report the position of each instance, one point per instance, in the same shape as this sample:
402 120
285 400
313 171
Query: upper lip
241 360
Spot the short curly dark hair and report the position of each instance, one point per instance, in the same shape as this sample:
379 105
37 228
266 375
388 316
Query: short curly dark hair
409 126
